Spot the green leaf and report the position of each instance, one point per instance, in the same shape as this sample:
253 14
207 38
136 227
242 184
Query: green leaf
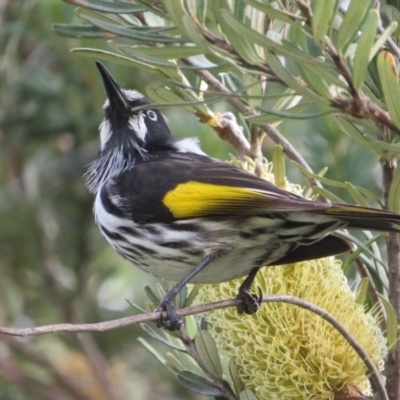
350 129
364 47
164 95
291 113
267 43
208 353
160 338
391 321
332 183
382 39
136 32
355 194
328 195
151 295
323 14
282 15
152 350
82 31
191 28
109 6
362 291
390 151
176 12
239 42
198 384
117 58
233 371
390 84
167 52
394 192
287 77
314 80
352 21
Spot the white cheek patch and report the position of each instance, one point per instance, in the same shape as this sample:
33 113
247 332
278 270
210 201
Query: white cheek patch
188 145
105 133
138 125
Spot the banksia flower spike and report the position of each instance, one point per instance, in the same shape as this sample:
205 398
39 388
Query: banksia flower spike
286 352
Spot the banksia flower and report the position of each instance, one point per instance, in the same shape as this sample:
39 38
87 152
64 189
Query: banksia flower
286 352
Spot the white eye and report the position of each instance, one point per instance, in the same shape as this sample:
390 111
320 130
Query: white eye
152 115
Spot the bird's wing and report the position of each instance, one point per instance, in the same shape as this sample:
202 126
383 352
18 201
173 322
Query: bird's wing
179 188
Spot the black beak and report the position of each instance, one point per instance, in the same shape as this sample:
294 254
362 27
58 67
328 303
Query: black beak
116 97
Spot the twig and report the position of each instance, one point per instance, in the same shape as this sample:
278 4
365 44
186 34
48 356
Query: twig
375 378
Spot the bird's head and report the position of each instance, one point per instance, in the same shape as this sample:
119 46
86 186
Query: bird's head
129 133
125 124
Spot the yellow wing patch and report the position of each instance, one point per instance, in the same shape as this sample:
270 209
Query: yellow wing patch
195 199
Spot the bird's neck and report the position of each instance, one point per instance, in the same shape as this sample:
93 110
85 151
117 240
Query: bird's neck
111 163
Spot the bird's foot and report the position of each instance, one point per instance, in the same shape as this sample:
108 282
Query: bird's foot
172 322
250 303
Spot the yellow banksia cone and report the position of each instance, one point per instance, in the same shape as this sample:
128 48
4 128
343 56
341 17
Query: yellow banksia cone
286 352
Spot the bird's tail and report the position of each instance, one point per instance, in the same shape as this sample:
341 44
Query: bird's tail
369 219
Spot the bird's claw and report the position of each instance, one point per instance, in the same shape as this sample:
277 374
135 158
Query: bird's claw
250 303
172 322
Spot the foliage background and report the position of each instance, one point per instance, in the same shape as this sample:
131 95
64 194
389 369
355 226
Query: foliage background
54 264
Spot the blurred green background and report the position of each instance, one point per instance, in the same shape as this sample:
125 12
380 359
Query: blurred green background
55 267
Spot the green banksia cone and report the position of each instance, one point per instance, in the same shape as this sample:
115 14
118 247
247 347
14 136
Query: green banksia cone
287 352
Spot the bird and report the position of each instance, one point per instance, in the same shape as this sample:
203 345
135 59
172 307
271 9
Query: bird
175 212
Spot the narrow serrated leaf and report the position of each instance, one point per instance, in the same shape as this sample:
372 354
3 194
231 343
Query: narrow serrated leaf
240 43
351 130
277 13
109 6
291 113
394 192
352 21
364 47
191 28
323 13
389 151
208 353
146 35
382 39
107 55
314 80
152 350
362 291
390 84
356 194
233 371
287 77
265 42
198 384
332 183
391 321
151 295
155 335
82 31
327 194
168 52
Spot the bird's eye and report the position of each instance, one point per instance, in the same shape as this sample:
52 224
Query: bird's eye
152 115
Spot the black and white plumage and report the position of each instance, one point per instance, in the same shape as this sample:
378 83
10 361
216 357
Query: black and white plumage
177 213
